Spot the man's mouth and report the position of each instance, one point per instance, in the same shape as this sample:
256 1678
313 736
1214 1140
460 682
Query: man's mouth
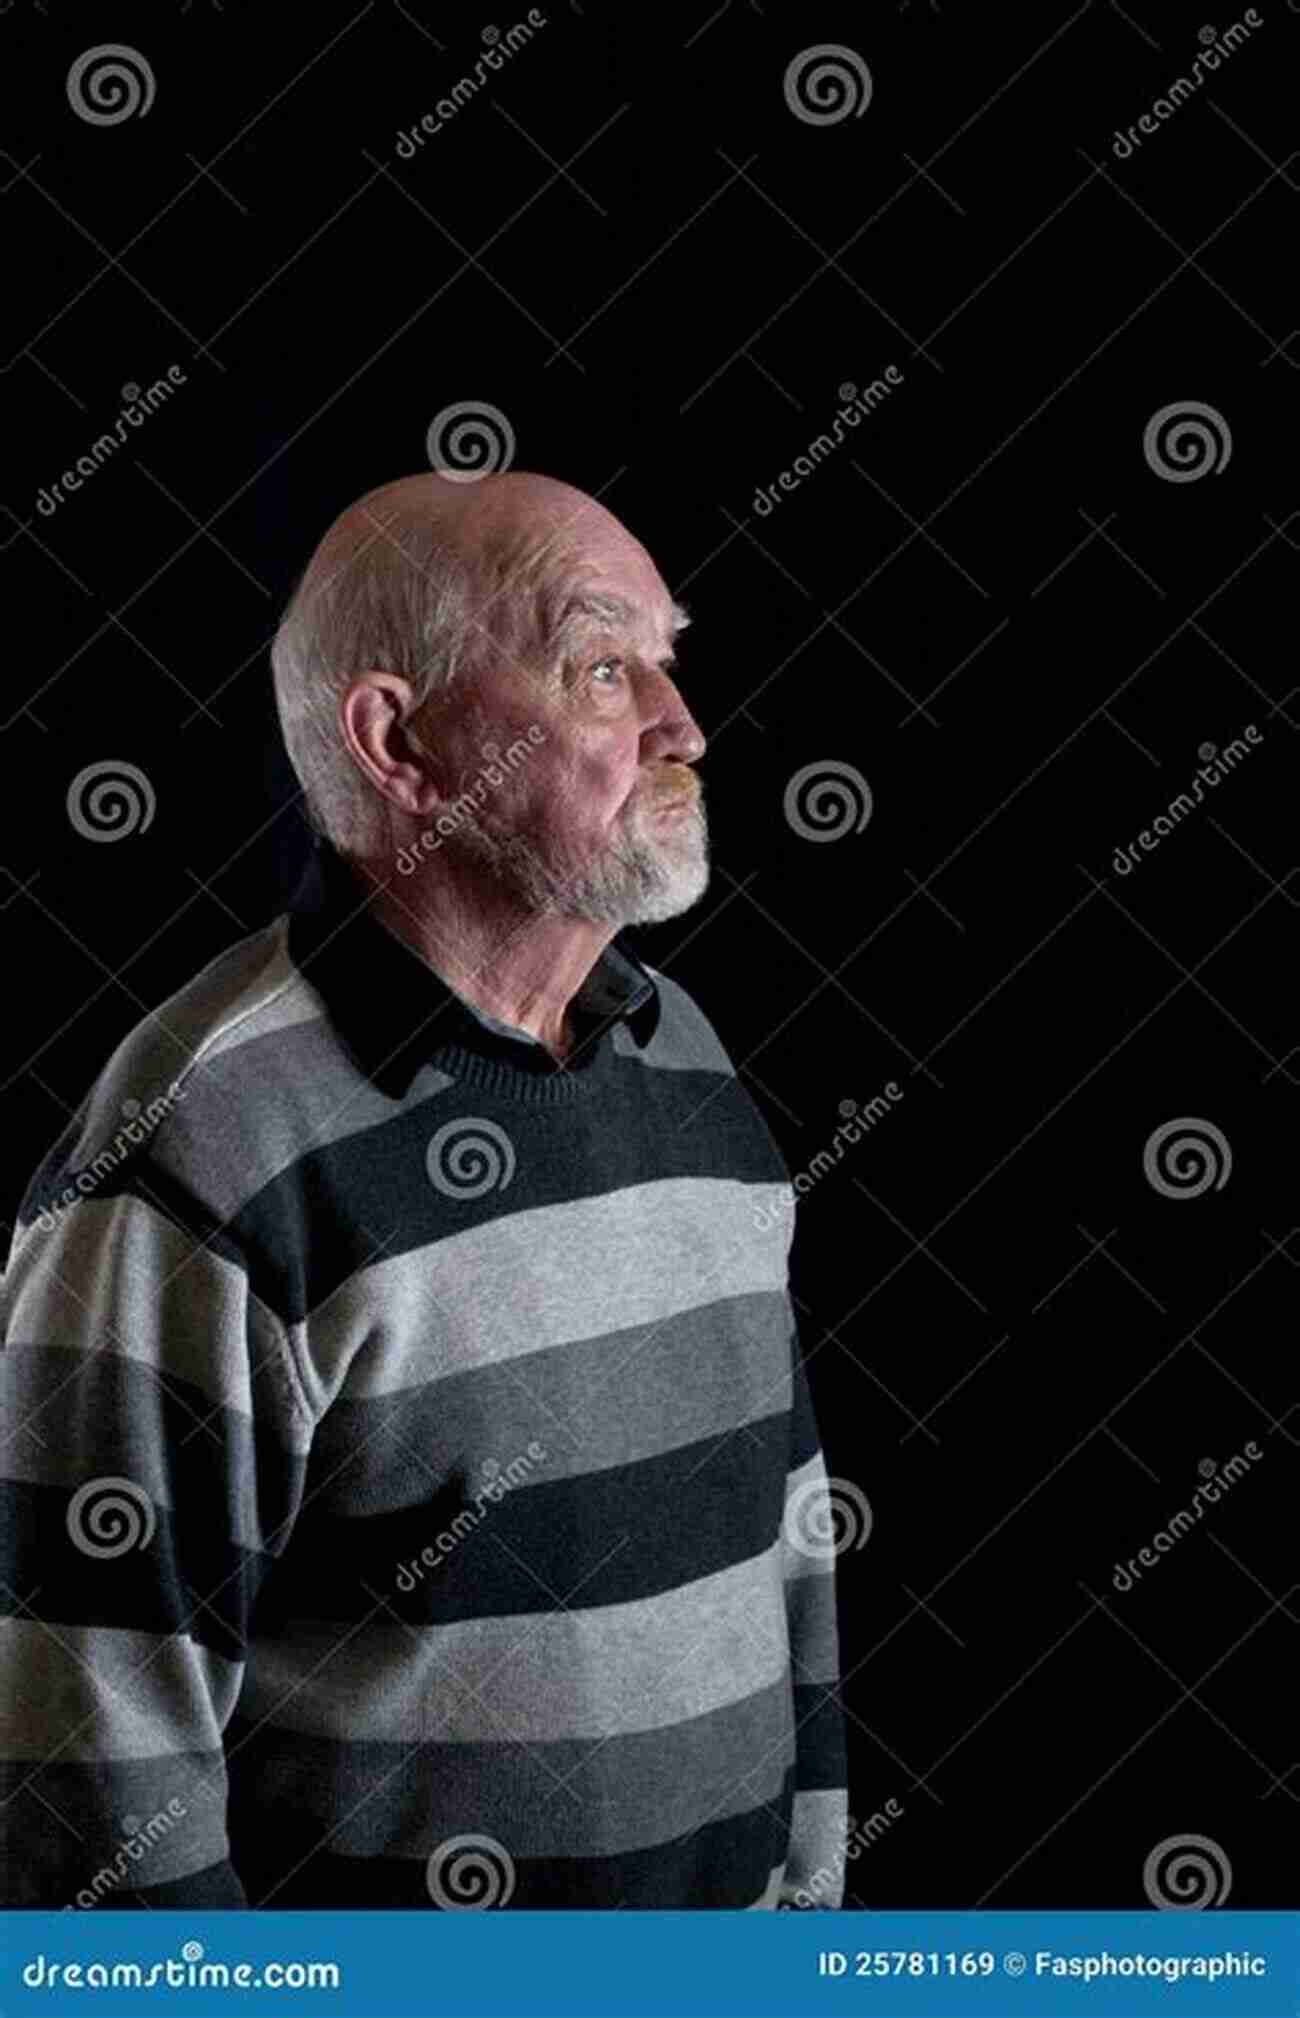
677 796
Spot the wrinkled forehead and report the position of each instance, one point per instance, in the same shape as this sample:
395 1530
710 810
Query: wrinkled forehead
577 571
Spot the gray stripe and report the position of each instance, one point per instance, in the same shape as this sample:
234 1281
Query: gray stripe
277 1041
809 1582
586 1798
164 1045
272 1032
813 1631
174 1305
685 1040
616 1399
533 1679
631 1257
81 1857
818 1835
102 1693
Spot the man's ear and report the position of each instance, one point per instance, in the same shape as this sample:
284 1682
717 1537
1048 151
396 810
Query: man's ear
384 743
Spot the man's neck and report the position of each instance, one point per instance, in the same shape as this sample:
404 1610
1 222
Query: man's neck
523 969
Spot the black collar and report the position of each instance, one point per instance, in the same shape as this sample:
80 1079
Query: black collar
395 1011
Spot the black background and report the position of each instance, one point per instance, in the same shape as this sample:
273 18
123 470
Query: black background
986 601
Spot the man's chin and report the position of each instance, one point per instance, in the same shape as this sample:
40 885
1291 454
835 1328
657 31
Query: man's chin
662 891
677 893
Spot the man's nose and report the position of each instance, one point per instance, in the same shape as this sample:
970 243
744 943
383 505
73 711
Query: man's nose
673 730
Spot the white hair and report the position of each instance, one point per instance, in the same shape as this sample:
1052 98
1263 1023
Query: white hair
383 592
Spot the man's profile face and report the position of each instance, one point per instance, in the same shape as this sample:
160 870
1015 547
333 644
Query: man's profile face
602 819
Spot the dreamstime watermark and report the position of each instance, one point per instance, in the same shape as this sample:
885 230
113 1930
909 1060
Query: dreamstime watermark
500 49
470 1156
1216 765
110 83
111 800
1221 1477
140 1123
138 1838
109 1517
1187 440
1215 49
469 440
470 1873
861 1836
139 402
188 1971
1186 1874
825 1516
850 414
826 800
856 1122
491 775
826 84
496 1484
1183 1158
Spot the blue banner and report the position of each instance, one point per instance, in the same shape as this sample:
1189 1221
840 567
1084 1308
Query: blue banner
479 1964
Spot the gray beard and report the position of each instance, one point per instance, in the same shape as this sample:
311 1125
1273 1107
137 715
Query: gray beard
636 881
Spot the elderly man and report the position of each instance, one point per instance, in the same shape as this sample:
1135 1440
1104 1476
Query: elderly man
418 1499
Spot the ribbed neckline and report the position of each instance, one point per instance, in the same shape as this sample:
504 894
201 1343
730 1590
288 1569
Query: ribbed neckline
398 1016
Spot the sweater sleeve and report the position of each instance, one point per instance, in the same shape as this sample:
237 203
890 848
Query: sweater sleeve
158 1435
814 1873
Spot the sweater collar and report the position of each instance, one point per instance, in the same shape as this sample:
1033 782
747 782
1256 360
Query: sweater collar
396 1011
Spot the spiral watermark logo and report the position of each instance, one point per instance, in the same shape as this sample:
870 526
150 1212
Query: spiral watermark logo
1184 1874
470 440
1186 1157
469 1157
826 84
827 800
1186 441
109 801
109 84
825 1517
469 1873
109 1517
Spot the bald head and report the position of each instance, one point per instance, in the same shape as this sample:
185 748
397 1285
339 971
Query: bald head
510 516
450 584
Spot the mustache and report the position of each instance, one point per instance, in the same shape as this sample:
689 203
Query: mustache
676 784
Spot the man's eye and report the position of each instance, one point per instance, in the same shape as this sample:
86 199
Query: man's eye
601 664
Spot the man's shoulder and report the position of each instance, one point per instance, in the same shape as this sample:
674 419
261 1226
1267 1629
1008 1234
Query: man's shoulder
684 1035
171 1093
245 996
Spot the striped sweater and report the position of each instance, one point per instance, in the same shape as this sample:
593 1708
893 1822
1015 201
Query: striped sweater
409 1459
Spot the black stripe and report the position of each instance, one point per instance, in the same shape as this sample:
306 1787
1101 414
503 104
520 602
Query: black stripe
153 1589
725 1864
607 1537
804 1440
821 1757
369 1197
